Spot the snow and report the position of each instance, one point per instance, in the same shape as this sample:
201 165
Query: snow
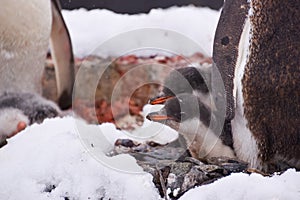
248 187
104 33
99 140
153 131
52 154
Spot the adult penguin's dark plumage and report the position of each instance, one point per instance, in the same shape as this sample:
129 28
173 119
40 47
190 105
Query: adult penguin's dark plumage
257 52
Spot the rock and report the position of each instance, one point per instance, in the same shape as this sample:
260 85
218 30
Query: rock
175 171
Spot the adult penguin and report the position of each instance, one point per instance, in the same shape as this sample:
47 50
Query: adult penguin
257 52
25 29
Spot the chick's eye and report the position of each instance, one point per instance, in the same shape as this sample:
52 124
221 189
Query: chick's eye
183 115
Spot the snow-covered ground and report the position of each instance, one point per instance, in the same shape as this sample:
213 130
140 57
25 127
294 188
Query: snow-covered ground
66 158
249 187
51 155
184 30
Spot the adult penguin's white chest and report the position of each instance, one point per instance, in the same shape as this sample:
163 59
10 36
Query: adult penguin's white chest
24 38
245 144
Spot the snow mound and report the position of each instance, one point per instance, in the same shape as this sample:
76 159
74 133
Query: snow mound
48 161
249 187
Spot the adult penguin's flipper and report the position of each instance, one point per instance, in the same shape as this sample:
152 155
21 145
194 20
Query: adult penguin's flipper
62 54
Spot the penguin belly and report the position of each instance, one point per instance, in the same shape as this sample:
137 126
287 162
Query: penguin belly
202 142
24 38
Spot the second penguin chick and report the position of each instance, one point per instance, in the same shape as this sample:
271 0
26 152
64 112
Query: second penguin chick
12 121
189 80
195 121
35 107
18 110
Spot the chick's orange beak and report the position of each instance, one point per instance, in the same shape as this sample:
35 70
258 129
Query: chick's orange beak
158 117
160 100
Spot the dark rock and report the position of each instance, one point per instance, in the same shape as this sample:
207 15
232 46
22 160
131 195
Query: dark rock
3 142
175 171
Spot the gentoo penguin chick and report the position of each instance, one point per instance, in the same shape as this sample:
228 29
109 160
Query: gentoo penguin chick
190 117
18 110
190 80
26 27
33 106
256 50
196 81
